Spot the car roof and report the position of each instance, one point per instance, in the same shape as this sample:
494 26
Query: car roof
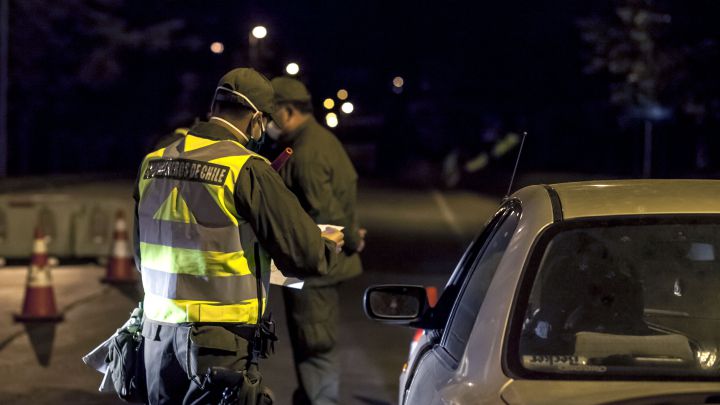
637 197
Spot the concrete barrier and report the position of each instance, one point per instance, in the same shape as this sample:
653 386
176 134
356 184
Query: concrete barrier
78 223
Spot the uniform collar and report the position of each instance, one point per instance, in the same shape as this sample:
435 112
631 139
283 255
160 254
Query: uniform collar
211 130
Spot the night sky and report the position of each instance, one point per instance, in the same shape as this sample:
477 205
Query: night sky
473 71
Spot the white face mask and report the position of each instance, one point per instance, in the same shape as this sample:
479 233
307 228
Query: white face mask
212 104
273 131
229 124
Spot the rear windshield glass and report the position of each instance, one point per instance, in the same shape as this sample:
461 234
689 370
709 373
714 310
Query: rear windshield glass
638 299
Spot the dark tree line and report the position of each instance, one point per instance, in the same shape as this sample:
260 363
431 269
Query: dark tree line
658 58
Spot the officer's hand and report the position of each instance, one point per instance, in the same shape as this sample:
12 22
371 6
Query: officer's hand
361 232
336 236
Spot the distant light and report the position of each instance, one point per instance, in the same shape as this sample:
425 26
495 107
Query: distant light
347 107
292 68
217 47
398 82
259 32
331 120
329 103
342 94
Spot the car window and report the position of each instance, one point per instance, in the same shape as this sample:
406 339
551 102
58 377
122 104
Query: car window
446 302
625 297
475 288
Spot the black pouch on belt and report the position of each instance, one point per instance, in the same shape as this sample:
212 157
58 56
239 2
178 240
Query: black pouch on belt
125 360
242 387
126 366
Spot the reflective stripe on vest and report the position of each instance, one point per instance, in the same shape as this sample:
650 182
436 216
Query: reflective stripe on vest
196 252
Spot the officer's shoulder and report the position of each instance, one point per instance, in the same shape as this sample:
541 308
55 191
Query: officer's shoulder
318 135
234 148
155 154
320 131
257 161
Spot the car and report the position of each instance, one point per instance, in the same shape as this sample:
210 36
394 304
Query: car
574 293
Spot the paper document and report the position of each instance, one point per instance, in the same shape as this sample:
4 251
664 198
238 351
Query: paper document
335 227
276 276
96 360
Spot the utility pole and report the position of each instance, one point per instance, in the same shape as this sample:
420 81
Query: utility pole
4 32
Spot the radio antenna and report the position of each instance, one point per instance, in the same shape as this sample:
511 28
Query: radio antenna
517 162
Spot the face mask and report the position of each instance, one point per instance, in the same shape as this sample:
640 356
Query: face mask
229 124
255 144
252 144
273 131
236 93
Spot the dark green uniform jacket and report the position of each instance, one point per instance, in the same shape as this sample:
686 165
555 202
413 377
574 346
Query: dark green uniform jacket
323 178
278 221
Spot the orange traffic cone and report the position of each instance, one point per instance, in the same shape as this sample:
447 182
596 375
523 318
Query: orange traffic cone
120 268
39 304
432 296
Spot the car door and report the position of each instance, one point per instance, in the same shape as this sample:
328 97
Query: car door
464 294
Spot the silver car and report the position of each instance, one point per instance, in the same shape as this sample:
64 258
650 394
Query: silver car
576 293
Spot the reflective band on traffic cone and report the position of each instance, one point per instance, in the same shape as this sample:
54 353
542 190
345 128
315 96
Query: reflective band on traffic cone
39 303
120 268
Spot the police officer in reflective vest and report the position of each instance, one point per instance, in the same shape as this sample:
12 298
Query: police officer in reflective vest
210 214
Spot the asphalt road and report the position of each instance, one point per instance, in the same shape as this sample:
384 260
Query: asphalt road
414 237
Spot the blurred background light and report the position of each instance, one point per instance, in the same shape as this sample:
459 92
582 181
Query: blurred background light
347 107
217 47
259 32
292 68
342 94
329 103
398 81
331 120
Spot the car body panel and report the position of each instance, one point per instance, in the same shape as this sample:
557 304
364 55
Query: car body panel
478 370
635 197
416 352
596 392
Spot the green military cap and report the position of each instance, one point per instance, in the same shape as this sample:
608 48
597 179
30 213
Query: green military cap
288 89
247 87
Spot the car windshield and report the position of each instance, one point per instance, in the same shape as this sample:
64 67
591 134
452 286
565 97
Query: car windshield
638 298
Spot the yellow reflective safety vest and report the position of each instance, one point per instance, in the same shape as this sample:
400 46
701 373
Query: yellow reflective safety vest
196 253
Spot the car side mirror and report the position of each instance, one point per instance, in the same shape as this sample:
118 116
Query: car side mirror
395 304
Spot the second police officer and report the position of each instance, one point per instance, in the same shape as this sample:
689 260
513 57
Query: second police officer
323 178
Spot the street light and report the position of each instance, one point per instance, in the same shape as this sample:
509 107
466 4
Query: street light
292 68
329 103
347 107
217 47
331 120
398 82
259 32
